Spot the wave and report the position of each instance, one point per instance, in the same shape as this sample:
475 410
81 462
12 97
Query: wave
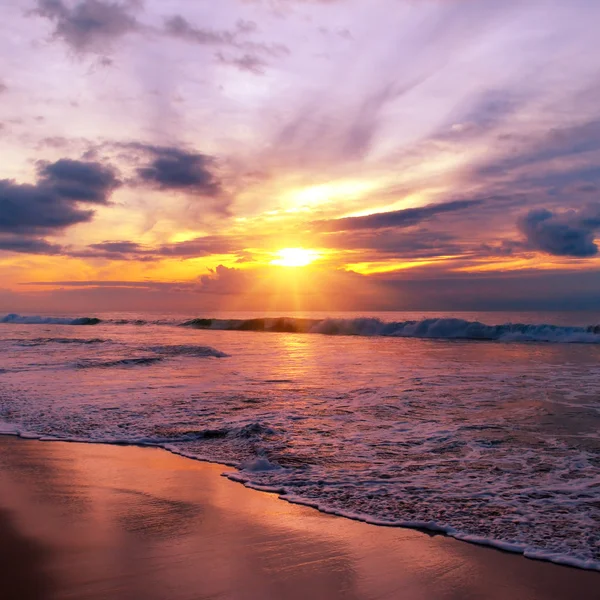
37 320
17 319
441 328
44 341
160 354
119 362
188 350
433 328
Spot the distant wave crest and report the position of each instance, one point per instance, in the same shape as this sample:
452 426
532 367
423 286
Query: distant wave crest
442 328
433 328
37 320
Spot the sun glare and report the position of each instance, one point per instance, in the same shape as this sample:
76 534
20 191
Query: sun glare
294 257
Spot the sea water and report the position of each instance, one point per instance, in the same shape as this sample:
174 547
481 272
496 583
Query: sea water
484 426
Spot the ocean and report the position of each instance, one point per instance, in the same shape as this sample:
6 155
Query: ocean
482 426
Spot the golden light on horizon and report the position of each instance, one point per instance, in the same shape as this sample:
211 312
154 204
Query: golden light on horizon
295 257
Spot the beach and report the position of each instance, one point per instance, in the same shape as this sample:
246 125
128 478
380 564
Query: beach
92 521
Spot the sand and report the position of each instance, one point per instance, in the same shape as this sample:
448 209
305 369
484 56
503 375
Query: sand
85 521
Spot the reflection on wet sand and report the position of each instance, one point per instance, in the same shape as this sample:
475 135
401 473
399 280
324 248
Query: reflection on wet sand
98 522
23 563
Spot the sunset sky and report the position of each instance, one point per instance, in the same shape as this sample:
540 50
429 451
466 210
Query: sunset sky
424 154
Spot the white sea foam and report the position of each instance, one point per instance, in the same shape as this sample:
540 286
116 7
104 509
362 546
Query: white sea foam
260 464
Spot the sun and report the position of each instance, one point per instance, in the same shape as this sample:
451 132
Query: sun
295 257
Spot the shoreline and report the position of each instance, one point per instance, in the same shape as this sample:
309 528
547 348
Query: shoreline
81 504
431 529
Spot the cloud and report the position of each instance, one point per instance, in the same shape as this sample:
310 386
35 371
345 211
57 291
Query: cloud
130 250
523 290
119 247
225 281
28 245
52 203
78 180
113 250
146 284
329 128
203 246
570 233
373 246
93 25
556 143
179 27
90 25
172 168
248 62
396 219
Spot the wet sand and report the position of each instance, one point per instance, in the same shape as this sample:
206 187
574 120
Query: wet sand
82 521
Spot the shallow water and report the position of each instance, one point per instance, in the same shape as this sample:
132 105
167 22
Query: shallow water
492 441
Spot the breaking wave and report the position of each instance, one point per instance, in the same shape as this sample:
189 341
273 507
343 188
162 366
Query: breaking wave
442 328
433 328
37 320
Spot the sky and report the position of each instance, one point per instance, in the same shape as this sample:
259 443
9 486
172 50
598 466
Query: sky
414 154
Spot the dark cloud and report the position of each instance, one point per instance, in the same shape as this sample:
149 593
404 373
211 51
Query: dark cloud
129 250
396 219
117 250
89 25
78 180
172 168
52 203
570 233
28 245
120 247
